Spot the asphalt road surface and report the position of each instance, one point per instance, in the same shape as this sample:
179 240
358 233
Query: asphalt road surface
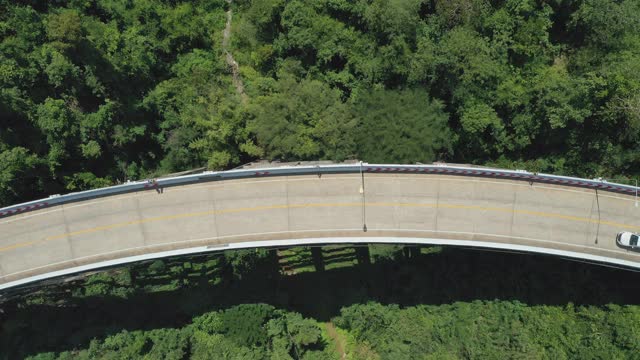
299 207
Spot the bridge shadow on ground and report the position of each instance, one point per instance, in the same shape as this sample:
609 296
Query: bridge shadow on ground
410 277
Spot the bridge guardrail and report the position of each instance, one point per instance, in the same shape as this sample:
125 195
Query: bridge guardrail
157 184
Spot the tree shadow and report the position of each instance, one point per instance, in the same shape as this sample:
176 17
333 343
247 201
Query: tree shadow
444 277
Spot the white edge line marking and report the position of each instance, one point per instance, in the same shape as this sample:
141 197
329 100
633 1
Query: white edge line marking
291 242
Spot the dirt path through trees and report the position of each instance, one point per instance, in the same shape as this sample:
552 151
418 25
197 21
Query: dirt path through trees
337 340
235 71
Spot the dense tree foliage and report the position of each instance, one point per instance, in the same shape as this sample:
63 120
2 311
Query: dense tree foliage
490 330
96 92
403 303
82 83
473 330
545 85
251 331
418 125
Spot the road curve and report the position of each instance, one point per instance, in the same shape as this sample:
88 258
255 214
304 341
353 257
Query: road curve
401 207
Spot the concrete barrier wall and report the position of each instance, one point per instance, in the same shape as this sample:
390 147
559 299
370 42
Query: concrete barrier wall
320 169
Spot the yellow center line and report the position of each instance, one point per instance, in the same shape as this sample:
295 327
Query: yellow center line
194 214
15 246
318 205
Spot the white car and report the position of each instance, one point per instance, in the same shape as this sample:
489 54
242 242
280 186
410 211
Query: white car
628 240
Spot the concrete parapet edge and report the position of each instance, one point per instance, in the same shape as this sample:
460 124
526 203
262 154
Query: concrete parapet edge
328 240
442 169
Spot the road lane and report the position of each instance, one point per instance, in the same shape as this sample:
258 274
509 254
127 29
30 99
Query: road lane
397 205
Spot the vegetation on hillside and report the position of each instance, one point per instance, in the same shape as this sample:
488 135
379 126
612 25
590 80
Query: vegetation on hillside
96 92
384 302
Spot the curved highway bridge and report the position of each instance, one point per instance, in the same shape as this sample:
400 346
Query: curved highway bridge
430 204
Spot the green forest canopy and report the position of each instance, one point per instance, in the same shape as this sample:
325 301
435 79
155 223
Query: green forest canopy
96 92
473 330
382 302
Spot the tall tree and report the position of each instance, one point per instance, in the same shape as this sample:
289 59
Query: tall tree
401 127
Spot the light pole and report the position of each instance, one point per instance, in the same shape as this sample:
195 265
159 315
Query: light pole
364 209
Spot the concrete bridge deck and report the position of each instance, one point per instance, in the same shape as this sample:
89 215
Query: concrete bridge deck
310 208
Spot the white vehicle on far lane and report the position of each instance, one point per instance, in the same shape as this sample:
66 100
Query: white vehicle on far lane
628 240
